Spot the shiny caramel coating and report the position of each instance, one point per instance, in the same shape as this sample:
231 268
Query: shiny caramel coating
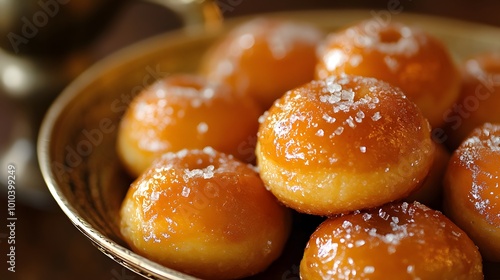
185 111
342 144
206 214
479 97
401 55
396 241
472 189
264 57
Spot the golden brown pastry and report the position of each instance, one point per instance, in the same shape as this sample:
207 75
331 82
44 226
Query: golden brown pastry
472 189
479 98
263 58
396 241
404 56
185 111
342 144
206 214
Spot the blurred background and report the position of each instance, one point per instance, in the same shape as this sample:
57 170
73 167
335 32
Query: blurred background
46 44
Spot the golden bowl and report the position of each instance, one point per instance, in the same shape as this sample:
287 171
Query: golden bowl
76 145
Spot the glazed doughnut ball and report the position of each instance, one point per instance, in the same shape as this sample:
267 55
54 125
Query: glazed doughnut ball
472 189
263 58
206 214
479 97
397 241
401 55
342 144
186 111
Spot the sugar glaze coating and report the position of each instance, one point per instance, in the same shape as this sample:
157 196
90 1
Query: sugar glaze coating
472 188
204 213
342 144
396 241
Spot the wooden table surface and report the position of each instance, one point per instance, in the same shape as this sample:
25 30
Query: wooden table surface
49 247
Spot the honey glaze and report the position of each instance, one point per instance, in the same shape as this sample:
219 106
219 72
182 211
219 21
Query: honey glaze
402 55
204 213
403 240
341 144
311 125
472 188
263 58
186 111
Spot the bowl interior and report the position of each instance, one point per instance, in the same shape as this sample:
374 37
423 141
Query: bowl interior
77 140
